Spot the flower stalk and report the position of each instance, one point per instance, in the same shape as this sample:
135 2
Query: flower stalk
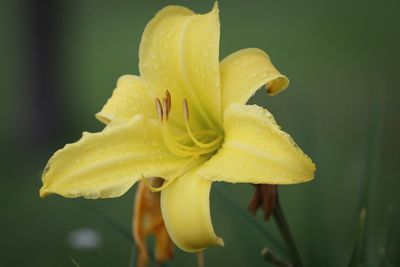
284 229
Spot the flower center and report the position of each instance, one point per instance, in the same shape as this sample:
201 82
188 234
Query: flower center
180 139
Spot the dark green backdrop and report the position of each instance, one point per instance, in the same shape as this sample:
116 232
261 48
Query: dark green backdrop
60 61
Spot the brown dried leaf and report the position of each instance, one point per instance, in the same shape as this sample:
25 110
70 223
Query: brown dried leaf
265 197
147 220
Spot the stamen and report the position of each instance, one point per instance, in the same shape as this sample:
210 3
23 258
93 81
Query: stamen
176 148
189 144
189 131
181 150
165 108
168 95
159 109
185 110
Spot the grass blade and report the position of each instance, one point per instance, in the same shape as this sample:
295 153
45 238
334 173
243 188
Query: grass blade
356 255
76 264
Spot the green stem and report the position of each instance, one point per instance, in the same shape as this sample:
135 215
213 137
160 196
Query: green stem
286 234
274 260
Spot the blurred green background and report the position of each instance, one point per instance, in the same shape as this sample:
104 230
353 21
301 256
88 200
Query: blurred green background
60 61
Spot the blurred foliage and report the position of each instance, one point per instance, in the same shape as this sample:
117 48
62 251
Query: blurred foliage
341 108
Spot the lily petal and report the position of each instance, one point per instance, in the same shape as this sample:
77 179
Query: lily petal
185 206
130 98
179 51
256 150
108 163
244 72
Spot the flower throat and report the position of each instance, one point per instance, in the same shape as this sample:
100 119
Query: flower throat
190 143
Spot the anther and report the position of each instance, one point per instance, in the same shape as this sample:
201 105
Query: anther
185 109
165 108
159 109
168 95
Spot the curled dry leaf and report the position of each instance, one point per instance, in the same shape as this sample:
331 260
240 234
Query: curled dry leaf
265 197
147 220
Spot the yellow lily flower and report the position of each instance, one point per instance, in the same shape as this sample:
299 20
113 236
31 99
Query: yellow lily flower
183 119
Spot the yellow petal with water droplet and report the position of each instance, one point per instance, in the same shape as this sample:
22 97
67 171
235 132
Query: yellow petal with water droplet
179 51
130 97
256 150
108 163
185 207
244 72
